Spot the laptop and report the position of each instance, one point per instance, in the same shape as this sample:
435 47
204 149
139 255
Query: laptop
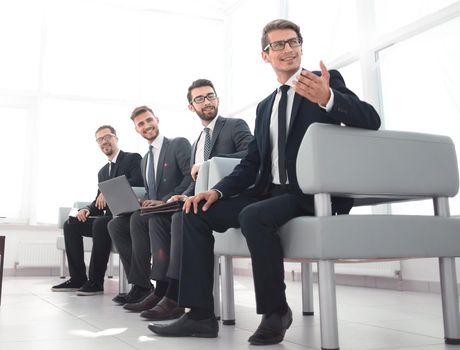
121 198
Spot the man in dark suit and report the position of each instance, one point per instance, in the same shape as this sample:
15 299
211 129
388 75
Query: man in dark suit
120 163
221 137
166 171
282 119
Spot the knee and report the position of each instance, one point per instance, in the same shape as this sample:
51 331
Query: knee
113 227
248 215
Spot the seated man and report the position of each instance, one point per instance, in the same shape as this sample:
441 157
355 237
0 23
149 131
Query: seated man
120 163
166 170
221 137
262 192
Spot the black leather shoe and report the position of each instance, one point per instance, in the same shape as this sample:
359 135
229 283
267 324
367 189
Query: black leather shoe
120 299
271 329
135 295
186 327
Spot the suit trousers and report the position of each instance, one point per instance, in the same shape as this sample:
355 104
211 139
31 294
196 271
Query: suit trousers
130 234
259 218
74 231
166 245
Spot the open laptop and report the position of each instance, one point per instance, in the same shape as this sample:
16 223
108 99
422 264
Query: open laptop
120 196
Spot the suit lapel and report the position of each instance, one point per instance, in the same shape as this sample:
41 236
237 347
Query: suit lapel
161 161
194 150
217 128
295 109
115 166
266 125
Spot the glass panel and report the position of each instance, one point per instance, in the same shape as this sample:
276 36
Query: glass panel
13 135
20 28
329 28
392 14
421 85
250 78
92 50
169 60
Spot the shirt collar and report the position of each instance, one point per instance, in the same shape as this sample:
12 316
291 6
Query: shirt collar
212 124
114 159
291 79
158 142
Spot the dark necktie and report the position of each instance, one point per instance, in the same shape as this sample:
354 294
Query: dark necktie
151 175
282 134
207 144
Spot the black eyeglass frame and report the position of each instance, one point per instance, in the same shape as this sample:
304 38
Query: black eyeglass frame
293 42
107 138
200 99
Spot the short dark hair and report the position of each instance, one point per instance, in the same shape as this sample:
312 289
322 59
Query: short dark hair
111 128
196 84
140 110
278 24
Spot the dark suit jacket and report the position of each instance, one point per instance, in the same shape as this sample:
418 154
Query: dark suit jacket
255 168
230 138
128 164
173 171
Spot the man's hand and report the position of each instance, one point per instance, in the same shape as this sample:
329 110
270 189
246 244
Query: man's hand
151 203
82 215
312 87
177 197
194 171
100 202
209 196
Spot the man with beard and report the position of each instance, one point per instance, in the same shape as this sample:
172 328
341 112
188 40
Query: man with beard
120 163
166 171
221 137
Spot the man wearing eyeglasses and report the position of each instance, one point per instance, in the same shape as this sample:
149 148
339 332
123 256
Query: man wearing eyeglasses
221 137
282 119
92 220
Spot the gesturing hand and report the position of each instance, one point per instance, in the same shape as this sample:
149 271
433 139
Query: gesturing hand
312 87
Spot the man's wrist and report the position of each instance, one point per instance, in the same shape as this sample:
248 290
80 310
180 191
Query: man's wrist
218 192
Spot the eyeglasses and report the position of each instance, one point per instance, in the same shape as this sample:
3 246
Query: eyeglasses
106 138
200 99
279 45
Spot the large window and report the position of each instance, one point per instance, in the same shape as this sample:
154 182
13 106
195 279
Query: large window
421 86
84 64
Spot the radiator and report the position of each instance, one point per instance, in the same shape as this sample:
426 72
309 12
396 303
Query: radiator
37 254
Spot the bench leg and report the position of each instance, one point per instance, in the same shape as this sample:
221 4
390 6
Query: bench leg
110 266
307 289
228 293
328 305
62 267
449 293
123 285
216 290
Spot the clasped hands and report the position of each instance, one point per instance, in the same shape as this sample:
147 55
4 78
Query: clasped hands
312 87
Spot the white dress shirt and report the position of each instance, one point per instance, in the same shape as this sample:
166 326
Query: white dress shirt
274 122
199 153
157 144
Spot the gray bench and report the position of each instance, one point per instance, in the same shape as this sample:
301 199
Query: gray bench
373 167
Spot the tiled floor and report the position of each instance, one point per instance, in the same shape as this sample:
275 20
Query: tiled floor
33 317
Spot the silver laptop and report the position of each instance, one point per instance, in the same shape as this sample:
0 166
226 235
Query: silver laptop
121 198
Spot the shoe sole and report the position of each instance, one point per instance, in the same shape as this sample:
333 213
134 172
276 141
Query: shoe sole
82 293
195 335
64 289
171 317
